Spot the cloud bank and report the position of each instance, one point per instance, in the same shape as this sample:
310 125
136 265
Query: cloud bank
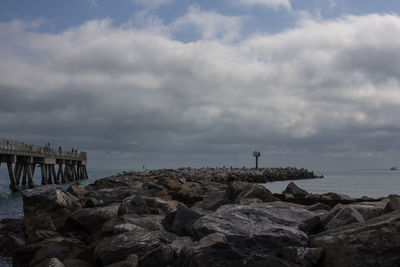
324 89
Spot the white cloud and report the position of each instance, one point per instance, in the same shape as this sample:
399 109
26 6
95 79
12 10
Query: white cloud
266 3
209 24
323 82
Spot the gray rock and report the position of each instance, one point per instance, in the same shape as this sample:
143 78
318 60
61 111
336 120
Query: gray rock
92 219
48 198
52 262
76 263
117 248
184 220
294 190
306 257
373 243
341 215
213 200
131 261
393 204
237 191
61 248
265 228
77 190
12 236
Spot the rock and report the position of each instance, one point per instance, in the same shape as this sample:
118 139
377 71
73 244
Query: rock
211 239
75 263
141 205
318 207
306 257
149 222
341 215
48 198
61 248
175 242
52 262
112 195
12 237
294 190
277 225
117 248
135 205
373 243
393 204
189 194
237 191
228 254
77 190
183 221
131 261
92 219
213 200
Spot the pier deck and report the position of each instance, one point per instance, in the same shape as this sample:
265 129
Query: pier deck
22 158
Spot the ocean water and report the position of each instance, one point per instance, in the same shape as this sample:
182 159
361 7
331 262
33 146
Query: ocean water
353 182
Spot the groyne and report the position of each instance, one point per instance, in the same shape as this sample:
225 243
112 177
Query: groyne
199 217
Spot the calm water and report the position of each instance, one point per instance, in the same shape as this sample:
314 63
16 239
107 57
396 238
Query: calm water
355 183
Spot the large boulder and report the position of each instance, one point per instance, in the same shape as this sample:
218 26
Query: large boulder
276 218
141 205
146 245
61 248
48 198
12 237
295 191
237 191
375 242
181 221
357 212
213 200
92 220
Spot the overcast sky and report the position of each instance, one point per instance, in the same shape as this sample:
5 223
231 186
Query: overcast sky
170 83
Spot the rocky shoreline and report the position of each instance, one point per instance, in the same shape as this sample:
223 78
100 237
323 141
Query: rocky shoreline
201 217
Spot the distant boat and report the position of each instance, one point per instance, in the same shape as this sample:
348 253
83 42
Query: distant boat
393 168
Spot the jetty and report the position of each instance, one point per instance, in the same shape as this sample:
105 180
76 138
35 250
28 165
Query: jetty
22 159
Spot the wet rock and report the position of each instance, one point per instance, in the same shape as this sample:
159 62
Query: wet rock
141 205
373 243
294 190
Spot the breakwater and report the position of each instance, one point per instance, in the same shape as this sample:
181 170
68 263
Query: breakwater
175 218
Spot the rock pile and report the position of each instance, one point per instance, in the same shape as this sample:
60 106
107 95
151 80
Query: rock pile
175 218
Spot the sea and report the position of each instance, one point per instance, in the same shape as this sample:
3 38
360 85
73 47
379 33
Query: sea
356 183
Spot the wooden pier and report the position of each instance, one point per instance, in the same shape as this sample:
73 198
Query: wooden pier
22 158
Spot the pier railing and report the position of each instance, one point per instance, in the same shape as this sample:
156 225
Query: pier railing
25 149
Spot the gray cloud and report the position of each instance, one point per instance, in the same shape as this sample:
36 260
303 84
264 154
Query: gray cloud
327 89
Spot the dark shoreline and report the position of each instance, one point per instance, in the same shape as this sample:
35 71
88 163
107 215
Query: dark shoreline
197 217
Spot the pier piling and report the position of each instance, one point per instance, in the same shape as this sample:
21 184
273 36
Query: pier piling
21 159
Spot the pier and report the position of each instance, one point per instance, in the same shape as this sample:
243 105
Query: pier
56 165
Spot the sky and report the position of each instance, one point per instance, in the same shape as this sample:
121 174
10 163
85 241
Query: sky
171 83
